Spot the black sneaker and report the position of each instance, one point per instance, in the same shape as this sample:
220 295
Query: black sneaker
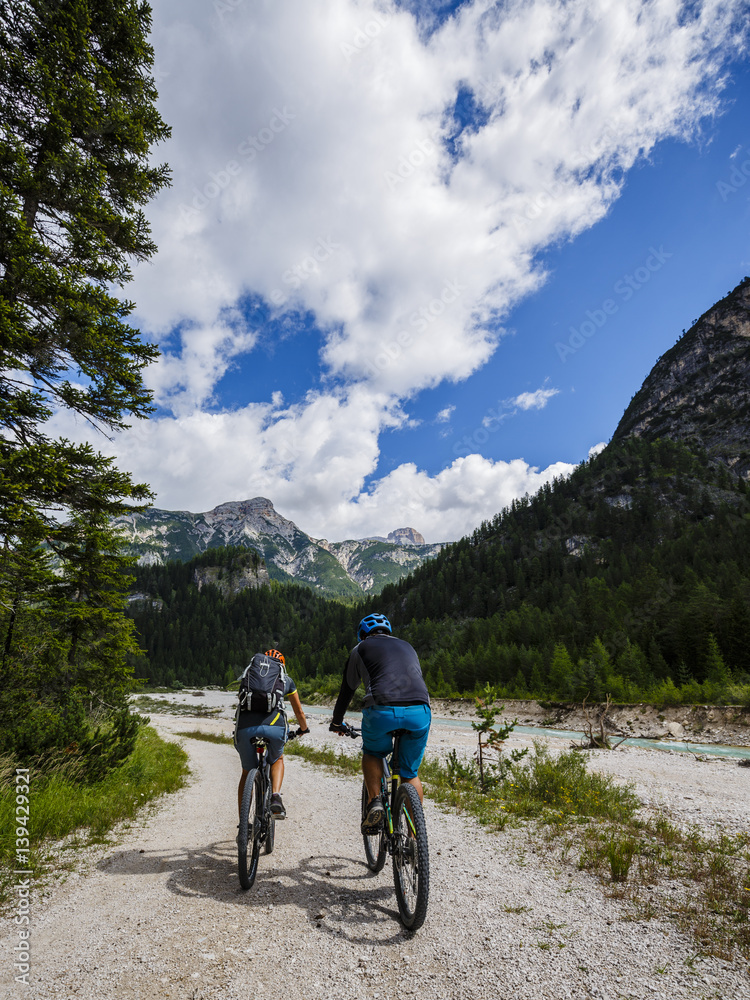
277 807
374 817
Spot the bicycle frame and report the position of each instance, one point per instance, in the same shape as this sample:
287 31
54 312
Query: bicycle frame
389 783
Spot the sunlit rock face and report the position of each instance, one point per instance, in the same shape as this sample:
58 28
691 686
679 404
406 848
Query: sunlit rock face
699 391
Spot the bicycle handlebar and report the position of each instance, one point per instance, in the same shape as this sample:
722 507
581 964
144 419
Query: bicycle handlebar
345 730
294 733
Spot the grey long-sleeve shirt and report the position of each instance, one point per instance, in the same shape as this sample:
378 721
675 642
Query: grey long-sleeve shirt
390 670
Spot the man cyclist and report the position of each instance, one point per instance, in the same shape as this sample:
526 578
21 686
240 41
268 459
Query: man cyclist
272 726
395 698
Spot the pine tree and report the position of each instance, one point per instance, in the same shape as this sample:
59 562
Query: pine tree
78 115
561 671
717 672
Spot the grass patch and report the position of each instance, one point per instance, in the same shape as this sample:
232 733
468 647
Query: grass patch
59 805
162 706
552 790
339 760
196 734
544 788
701 882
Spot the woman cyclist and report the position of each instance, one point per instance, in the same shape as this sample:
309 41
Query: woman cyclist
269 668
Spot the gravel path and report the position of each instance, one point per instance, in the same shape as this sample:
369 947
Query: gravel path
161 915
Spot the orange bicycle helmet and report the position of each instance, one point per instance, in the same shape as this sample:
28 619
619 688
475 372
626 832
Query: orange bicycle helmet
275 654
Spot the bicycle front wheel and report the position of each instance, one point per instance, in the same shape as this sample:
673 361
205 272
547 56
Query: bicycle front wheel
270 834
374 842
411 861
248 841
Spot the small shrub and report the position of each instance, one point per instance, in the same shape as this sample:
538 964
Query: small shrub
458 772
620 851
564 785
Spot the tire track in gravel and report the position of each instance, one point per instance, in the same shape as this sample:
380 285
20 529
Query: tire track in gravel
161 915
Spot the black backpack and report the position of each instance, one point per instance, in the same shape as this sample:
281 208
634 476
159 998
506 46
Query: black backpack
262 685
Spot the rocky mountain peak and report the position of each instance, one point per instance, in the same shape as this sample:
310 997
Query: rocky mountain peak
256 505
406 536
251 517
698 392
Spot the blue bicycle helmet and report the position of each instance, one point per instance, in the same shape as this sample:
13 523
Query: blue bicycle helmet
370 623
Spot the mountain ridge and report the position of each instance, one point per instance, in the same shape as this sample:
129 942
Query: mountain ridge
350 568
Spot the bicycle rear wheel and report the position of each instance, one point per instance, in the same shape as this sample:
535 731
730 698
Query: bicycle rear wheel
374 842
411 861
248 841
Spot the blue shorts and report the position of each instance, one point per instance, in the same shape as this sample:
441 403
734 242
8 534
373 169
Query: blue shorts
378 724
251 724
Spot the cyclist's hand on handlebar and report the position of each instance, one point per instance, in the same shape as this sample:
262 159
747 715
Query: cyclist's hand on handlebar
343 729
294 733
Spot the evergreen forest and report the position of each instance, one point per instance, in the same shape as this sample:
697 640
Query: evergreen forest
628 578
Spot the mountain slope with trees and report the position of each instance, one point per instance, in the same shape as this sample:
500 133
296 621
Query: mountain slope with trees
630 577
206 634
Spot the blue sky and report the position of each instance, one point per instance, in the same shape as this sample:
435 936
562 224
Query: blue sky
390 226
670 202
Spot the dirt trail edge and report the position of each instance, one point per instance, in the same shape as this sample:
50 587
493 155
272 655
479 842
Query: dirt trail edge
161 915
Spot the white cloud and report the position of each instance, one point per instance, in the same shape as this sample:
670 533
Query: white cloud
317 480
315 176
444 415
508 408
184 382
281 161
452 503
597 449
534 400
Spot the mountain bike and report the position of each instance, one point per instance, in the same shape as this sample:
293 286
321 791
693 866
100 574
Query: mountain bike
403 835
257 824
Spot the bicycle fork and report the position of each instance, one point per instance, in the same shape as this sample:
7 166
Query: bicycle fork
389 798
